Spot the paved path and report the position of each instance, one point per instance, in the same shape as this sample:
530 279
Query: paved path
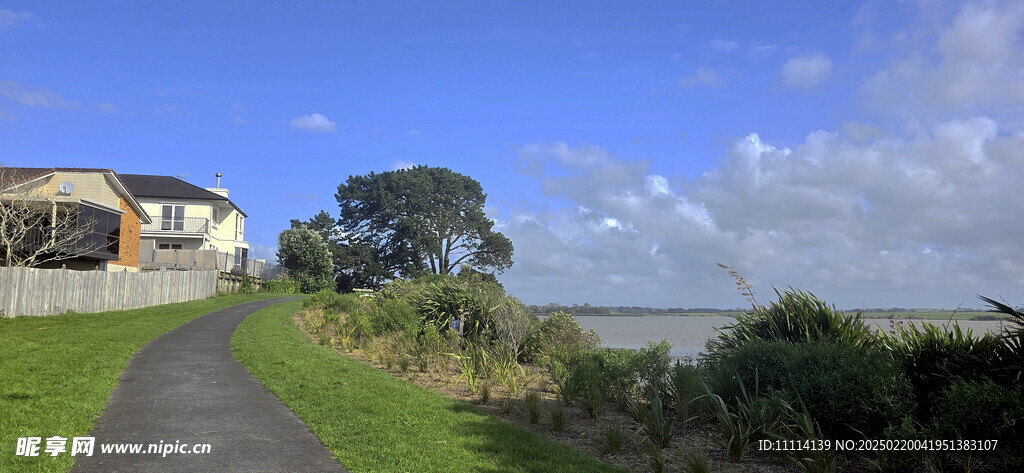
186 387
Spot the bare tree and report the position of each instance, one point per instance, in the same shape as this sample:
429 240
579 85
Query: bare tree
36 227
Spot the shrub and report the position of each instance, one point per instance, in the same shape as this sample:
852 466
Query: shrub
512 324
281 285
594 377
976 410
556 338
656 427
393 315
843 386
933 358
796 317
686 387
444 298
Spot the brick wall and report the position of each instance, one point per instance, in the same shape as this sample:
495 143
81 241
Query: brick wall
131 229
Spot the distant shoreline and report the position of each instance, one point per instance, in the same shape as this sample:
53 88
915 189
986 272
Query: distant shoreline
936 315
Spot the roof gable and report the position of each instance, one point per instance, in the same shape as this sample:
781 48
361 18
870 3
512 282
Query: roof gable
15 177
145 185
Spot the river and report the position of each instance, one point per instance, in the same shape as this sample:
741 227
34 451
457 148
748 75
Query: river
688 334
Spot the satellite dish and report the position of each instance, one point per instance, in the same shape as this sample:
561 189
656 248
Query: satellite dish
66 188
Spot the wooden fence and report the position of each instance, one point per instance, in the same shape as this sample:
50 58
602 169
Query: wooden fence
32 291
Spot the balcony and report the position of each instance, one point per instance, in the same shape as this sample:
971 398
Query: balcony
178 225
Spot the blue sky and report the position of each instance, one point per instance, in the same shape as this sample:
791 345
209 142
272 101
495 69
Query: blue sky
860 150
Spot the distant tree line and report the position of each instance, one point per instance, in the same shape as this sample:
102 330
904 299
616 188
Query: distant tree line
587 309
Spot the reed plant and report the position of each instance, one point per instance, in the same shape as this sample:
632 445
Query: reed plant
695 462
532 402
655 456
485 393
558 418
613 437
508 405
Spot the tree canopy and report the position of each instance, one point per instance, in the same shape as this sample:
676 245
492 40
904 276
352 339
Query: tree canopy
307 258
422 220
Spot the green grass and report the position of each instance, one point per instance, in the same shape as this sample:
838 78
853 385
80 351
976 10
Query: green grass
57 372
373 421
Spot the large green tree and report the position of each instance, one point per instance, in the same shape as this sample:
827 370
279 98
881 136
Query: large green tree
355 264
307 258
422 220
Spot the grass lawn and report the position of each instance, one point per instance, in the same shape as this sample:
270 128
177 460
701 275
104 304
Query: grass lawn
57 372
373 421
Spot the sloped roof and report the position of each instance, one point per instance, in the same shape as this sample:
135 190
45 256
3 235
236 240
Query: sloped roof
145 185
16 176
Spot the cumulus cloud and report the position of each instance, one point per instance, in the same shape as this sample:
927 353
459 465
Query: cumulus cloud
9 18
908 222
724 46
972 63
35 96
703 76
315 123
401 165
806 71
265 252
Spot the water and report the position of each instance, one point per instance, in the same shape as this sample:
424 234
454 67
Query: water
688 334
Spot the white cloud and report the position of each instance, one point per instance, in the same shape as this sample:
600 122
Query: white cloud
10 18
315 123
266 252
889 222
107 107
35 97
971 64
724 46
401 165
413 133
806 71
761 50
702 76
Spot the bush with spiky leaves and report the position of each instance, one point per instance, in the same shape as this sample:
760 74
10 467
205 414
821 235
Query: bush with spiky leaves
796 317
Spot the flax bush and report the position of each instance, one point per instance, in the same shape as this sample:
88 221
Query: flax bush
796 317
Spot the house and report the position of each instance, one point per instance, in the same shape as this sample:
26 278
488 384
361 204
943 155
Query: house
93 208
189 217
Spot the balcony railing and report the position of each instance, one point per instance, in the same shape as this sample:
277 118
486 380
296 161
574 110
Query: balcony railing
178 225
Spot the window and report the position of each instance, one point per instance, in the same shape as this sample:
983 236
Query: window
102 236
164 246
175 246
215 215
172 217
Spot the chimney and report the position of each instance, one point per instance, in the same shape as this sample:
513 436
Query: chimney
218 190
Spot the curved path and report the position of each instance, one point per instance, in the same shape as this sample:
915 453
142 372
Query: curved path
185 387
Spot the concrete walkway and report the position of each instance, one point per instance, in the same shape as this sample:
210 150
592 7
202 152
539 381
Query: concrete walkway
185 387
